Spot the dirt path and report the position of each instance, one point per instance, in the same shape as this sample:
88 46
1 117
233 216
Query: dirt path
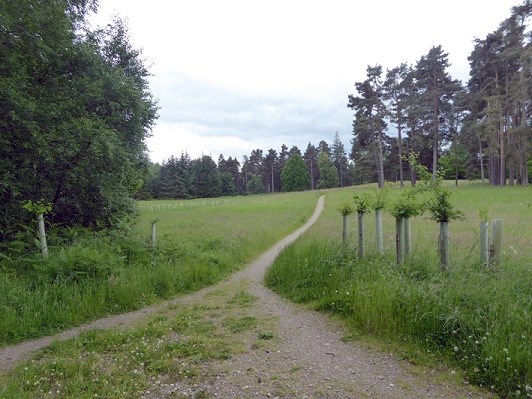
301 356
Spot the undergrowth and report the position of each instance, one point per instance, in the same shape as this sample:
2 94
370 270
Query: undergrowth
480 318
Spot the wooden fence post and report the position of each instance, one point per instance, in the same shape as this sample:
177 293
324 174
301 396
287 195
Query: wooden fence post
484 243
361 249
153 233
42 235
444 245
378 229
407 236
399 237
497 242
345 228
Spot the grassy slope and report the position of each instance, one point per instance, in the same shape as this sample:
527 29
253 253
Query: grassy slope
478 318
199 242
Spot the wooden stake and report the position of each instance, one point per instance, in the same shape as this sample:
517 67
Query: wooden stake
153 233
42 235
407 236
378 224
484 243
444 245
497 242
399 236
361 249
345 228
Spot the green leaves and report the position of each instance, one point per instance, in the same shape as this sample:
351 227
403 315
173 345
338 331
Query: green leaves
295 175
75 111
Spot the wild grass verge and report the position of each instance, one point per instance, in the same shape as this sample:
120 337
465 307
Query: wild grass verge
477 318
89 275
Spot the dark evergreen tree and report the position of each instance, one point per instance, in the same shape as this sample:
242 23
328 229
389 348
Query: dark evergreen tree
436 93
339 160
271 170
311 159
328 172
369 124
205 178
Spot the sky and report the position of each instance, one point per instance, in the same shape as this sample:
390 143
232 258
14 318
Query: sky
232 76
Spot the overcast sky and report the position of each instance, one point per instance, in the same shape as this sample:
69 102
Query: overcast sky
235 75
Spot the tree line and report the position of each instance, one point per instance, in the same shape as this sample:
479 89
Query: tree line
181 177
481 130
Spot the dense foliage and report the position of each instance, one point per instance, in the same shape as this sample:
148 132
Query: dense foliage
75 110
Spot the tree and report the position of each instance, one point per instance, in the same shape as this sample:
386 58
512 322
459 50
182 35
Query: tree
339 159
369 124
311 159
255 186
500 89
75 110
397 88
437 90
271 167
205 178
328 172
295 175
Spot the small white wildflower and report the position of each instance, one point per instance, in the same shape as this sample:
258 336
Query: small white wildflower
456 349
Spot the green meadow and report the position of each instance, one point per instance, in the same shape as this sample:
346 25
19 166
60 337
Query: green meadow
87 276
469 318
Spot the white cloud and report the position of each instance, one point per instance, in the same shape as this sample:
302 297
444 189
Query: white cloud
235 75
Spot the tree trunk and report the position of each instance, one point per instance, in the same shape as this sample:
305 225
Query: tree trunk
481 159
400 149
410 168
380 166
435 139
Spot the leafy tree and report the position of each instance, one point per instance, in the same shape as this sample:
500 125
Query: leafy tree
255 185
75 110
295 175
328 172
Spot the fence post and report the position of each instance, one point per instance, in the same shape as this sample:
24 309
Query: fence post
407 237
444 245
484 243
153 233
361 250
497 242
378 229
345 228
42 235
399 237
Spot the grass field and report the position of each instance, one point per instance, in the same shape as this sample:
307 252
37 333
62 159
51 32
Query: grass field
475 319
86 276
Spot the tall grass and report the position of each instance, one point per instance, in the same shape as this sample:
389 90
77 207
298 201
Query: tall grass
478 317
89 275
